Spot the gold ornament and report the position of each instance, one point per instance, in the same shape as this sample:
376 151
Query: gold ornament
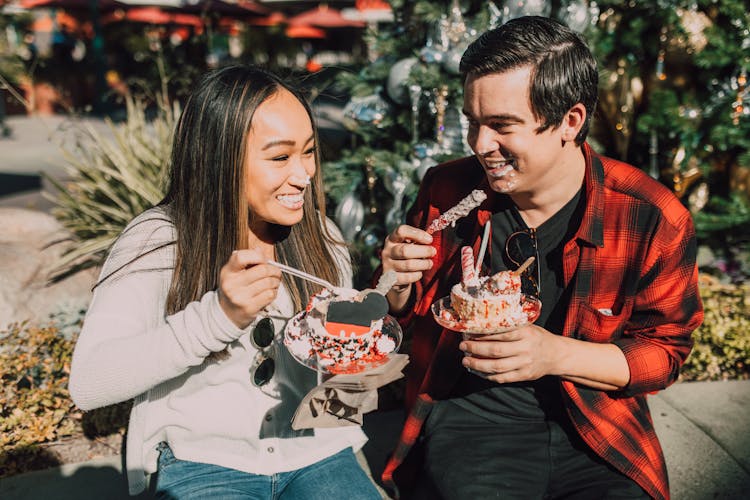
739 179
738 106
441 103
371 180
695 23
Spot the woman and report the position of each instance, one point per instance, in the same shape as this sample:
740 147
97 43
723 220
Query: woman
187 318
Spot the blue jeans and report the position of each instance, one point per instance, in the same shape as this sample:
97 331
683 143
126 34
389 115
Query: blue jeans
338 476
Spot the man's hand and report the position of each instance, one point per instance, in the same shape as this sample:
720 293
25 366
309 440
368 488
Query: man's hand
408 252
527 353
531 352
246 285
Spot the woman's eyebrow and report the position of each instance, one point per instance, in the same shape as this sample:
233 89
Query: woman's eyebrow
279 142
283 142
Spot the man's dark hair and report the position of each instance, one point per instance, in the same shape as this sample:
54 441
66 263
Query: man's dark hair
564 71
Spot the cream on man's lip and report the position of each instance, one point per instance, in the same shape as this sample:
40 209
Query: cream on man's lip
499 169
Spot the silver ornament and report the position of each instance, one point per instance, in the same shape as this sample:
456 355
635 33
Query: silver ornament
349 215
518 8
397 77
496 15
431 54
454 133
577 15
424 156
436 47
453 60
397 183
367 110
370 238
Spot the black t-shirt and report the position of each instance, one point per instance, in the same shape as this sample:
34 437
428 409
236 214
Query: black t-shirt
539 399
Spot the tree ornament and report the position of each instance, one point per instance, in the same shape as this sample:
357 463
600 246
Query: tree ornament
370 238
441 103
739 179
434 52
579 15
415 93
452 60
396 183
456 29
424 156
660 74
518 8
368 110
371 180
740 105
496 15
350 214
398 76
687 181
695 24
735 92
653 155
454 133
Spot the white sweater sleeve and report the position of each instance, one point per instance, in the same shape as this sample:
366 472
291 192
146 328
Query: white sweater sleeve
127 344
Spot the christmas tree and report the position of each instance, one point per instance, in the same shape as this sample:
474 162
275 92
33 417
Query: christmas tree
673 100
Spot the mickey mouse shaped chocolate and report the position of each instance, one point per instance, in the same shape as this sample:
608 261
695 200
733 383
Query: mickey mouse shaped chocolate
343 328
357 316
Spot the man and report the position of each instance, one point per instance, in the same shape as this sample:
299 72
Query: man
555 409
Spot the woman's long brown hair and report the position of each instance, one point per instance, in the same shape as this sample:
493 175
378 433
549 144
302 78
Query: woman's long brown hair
206 196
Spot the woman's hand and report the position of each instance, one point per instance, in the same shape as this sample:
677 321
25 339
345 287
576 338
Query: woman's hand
246 285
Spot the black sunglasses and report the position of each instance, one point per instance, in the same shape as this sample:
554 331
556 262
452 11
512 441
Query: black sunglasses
263 365
519 247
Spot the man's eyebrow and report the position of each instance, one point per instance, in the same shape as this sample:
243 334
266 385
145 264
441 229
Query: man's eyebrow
283 142
507 118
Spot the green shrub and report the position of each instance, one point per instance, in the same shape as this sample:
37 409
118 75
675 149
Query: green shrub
722 343
111 181
35 405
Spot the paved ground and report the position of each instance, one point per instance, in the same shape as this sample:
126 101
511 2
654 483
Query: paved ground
704 426
35 150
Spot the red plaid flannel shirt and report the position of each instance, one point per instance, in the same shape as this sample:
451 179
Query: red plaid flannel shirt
633 254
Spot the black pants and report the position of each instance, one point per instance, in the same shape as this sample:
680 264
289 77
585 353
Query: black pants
469 457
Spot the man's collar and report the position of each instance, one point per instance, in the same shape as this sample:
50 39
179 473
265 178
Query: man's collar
591 229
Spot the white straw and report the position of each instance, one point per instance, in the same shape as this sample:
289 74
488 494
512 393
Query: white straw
482 248
302 274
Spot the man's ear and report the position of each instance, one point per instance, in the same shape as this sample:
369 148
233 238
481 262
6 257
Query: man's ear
572 122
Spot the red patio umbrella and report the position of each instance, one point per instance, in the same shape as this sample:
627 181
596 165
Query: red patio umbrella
153 15
324 16
273 19
57 20
70 4
242 9
304 31
369 11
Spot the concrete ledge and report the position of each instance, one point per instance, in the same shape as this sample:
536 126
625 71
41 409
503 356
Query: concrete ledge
703 427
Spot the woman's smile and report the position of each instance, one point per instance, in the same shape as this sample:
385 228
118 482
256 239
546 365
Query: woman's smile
292 201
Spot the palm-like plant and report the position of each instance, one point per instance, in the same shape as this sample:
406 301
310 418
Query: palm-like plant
111 180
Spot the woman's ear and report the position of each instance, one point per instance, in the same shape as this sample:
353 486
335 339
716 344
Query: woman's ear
572 122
